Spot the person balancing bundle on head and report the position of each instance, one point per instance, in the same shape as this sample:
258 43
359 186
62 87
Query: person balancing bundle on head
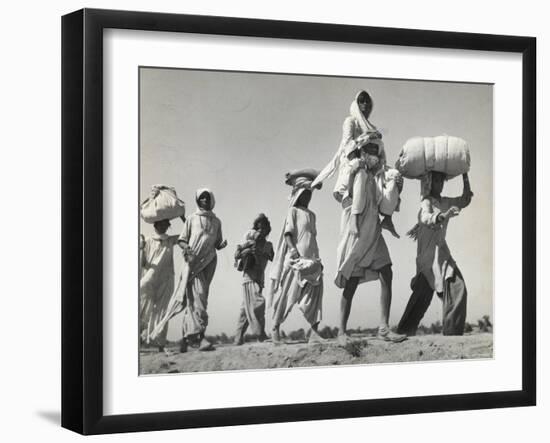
157 269
252 256
433 160
436 269
362 254
297 272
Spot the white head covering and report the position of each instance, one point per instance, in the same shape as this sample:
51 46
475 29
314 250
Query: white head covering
355 112
202 191
346 148
366 127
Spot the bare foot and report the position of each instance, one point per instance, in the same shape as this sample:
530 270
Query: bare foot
315 338
387 224
386 334
343 339
165 351
205 345
183 346
239 339
276 336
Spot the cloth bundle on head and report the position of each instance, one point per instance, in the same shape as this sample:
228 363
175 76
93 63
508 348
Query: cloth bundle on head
300 180
300 174
163 204
444 153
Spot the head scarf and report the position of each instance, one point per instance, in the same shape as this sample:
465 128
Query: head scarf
212 199
299 185
347 148
355 112
366 128
207 215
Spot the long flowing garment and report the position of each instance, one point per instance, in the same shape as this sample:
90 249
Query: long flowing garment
202 232
363 255
252 310
156 284
436 271
293 287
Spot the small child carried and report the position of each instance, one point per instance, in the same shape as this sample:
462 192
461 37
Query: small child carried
389 181
244 255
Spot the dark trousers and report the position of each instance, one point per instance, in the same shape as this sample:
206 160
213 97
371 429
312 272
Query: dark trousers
454 297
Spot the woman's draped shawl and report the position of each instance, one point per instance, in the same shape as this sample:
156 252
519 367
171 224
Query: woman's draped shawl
348 144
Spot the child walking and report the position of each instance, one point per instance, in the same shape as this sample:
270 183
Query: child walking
252 256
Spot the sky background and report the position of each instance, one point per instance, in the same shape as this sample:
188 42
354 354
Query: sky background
239 133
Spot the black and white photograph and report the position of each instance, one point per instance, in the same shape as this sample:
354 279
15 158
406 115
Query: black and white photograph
294 221
275 222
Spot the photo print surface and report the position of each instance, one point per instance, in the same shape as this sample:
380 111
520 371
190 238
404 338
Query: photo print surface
296 220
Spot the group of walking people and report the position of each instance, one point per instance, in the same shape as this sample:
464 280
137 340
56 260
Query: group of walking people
368 193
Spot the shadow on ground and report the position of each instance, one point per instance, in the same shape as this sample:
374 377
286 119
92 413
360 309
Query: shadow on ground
54 417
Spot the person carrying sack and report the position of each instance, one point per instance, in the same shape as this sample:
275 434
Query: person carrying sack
436 270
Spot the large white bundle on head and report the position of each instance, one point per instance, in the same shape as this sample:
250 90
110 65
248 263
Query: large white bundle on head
165 205
445 153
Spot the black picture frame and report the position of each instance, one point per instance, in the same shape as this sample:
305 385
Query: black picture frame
82 220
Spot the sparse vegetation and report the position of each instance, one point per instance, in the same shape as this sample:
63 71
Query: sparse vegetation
355 348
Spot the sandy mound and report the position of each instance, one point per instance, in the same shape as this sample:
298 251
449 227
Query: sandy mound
299 354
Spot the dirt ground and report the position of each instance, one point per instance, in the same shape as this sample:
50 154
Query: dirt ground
363 350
